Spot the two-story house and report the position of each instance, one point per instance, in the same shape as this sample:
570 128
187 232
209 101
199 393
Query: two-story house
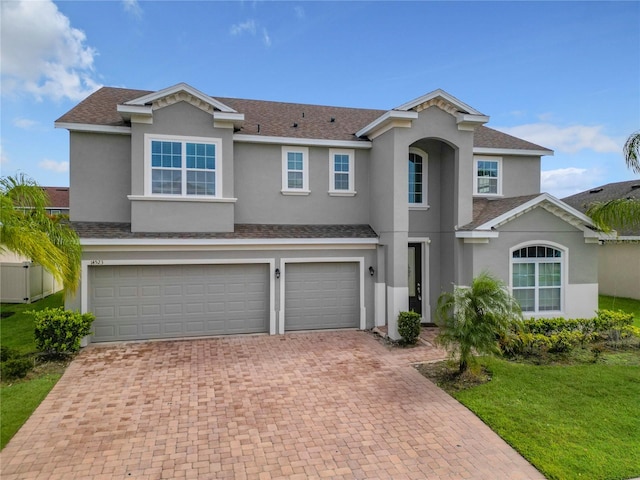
203 215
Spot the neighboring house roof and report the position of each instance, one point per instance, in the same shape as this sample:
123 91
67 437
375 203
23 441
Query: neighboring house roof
104 230
58 197
276 119
604 193
490 214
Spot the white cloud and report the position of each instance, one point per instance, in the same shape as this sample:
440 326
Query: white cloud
58 167
42 54
132 7
570 139
266 38
239 28
563 182
25 123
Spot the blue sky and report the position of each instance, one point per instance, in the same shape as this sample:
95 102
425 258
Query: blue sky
565 75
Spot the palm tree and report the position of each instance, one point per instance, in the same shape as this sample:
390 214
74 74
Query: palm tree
27 229
620 212
472 318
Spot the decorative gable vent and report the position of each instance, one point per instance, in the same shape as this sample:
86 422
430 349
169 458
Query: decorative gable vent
183 97
439 102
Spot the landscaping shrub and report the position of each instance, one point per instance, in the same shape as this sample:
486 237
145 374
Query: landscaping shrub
6 353
60 331
15 367
409 327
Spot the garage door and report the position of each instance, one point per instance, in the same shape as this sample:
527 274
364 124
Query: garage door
321 295
166 301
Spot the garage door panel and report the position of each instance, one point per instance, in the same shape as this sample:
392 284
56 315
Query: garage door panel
322 295
143 302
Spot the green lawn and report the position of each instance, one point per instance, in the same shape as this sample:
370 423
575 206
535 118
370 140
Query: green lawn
626 304
570 422
19 398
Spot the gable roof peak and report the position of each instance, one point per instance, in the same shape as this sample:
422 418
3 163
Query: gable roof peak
177 89
431 98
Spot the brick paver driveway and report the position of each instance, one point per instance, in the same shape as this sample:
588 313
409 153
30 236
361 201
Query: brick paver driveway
307 405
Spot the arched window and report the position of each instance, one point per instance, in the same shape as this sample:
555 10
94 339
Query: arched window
537 273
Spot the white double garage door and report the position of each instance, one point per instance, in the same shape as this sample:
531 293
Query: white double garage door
142 302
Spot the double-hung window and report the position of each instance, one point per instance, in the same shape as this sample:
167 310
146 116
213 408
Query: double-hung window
295 170
417 178
185 167
487 179
537 278
342 174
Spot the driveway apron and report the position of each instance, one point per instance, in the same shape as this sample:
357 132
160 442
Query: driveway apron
306 405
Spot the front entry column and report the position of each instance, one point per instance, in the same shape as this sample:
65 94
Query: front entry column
397 276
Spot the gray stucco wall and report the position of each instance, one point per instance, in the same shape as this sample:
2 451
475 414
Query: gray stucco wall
100 177
258 184
540 226
521 176
181 119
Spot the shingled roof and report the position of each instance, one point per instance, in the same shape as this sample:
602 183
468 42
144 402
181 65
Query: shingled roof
275 119
58 197
485 210
243 231
604 193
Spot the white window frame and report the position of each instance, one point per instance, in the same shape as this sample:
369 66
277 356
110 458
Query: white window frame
148 189
477 159
564 262
305 171
351 191
425 179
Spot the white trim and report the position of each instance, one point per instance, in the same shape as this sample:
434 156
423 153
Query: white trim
188 198
468 122
387 120
425 280
85 264
424 205
286 149
186 242
564 266
91 128
477 234
505 217
144 110
498 160
311 142
397 301
283 263
445 96
379 301
511 151
150 137
180 87
351 191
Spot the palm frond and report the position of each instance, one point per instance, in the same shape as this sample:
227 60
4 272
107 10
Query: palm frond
632 152
619 213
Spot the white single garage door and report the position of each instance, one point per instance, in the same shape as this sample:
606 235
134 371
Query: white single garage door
141 302
321 296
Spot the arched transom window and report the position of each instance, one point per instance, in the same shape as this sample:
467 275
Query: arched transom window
537 278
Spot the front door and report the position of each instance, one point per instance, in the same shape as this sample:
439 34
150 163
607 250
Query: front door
415 277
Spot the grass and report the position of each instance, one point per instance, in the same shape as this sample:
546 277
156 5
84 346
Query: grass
626 304
19 398
569 421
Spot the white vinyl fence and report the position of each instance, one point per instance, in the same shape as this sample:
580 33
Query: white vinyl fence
25 282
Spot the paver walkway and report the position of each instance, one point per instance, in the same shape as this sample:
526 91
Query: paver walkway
306 405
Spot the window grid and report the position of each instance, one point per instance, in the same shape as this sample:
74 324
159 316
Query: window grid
341 168
415 178
487 177
295 170
179 168
537 278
